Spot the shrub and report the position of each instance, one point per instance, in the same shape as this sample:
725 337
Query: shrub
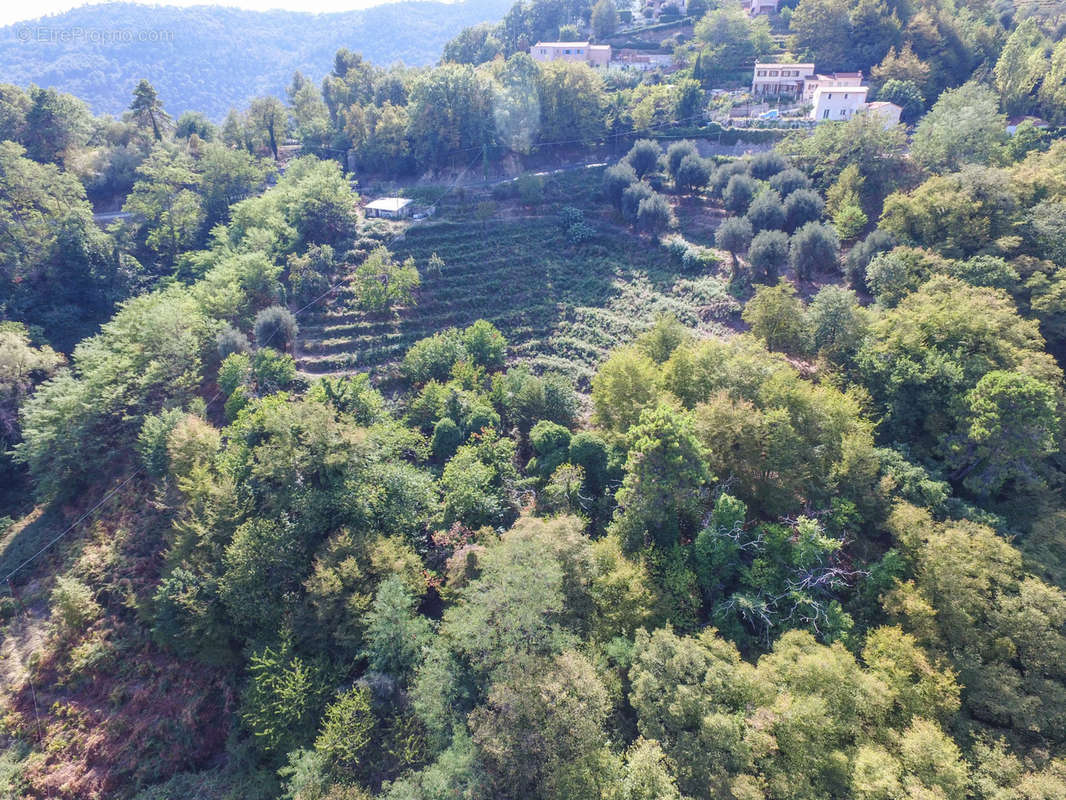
767 255
776 316
73 606
432 358
789 181
643 156
654 215
485 345
272 370
814 247
233 372
530 188
446 439
678 152
230 340
631 199
801 207
152 440
767 164
692 174
275 326
739 193
766 212
616 180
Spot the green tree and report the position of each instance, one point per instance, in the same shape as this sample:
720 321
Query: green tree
662 494
283 700
692 174
964 126
734 235
739 193
395 634
1009 427
643 157
165 199
766 212
1022 63
147 110
767 255
776 316
380 283
905 94
604 19
654 215
814 248
269 117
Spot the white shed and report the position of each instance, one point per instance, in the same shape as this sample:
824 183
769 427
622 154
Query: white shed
390 207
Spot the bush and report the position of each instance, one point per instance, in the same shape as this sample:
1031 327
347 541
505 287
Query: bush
73 606
767 255
676 153
739 193
643 156
530 188
789 181
616 180
654 215
766 212
275 326
721 176
801 207
813 248
631 199
234 371
230 340
432 358
862 253
767 164
446 439
272 370
485 345
692 174
776 316
152 440
849 222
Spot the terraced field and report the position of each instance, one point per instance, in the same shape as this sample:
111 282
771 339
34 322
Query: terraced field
561 307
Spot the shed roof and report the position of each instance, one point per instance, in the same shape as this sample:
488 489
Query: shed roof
389 203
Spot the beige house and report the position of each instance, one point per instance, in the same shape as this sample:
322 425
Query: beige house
832 81
885 111
778 79
595 55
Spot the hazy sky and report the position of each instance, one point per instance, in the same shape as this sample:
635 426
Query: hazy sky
11 12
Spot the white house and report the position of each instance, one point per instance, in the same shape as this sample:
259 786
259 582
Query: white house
595 55
887 112
838 104
390 207
778 79
756 7
833 80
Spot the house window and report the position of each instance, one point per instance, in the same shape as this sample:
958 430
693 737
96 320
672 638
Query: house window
579 52
826 114
843 112
845 97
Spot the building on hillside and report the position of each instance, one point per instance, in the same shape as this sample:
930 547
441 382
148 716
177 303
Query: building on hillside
780 79
641 61
831 81
595 55
887 112
390 207
838 104
1014 122
757 7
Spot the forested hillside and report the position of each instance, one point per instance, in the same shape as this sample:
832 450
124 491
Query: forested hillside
212 58
650 458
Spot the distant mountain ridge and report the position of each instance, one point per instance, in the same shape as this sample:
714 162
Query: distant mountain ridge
212 58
